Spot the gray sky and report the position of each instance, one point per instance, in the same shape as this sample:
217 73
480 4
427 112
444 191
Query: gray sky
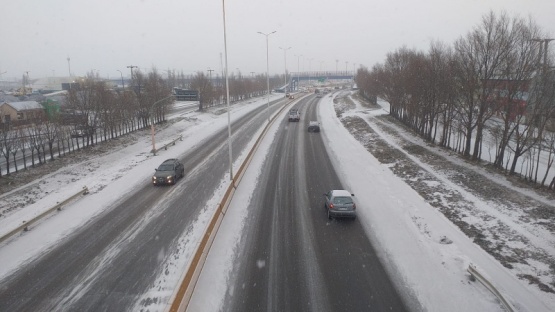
187 35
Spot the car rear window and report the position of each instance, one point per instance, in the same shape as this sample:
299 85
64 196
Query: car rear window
342 200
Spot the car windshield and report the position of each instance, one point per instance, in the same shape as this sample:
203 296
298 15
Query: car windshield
342 200
165 168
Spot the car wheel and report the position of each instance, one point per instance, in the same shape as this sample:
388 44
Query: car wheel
174 178
329 215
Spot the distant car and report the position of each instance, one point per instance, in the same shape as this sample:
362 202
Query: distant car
81 131
313 126
340 203
168 172
294 115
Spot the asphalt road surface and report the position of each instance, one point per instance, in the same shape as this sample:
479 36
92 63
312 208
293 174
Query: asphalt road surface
292 257
112 260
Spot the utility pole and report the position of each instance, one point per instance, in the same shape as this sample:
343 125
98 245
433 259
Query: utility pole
131 83
546 43
543 49
131 67
210 74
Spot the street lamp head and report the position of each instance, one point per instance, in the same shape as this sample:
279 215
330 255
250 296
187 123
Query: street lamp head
267 33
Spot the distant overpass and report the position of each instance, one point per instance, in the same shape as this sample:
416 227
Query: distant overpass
317 76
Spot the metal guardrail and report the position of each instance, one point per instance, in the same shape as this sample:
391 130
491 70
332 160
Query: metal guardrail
25 226
474 273
181 298
165 146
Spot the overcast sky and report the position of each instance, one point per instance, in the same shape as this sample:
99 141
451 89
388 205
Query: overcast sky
107 36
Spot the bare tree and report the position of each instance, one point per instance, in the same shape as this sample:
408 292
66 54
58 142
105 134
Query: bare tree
203 85
6 145
482 56
51 133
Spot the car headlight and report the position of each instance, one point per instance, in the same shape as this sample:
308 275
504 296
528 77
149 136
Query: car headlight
169 177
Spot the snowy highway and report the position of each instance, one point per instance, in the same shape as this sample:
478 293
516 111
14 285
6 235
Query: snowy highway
114 258
291 256
126 244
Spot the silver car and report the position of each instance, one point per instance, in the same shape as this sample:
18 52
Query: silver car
339 203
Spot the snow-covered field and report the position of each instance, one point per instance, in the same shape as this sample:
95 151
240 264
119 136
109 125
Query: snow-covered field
427 224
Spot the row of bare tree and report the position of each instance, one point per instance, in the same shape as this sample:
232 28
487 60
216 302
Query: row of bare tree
492 90
212 91
94 111
90 112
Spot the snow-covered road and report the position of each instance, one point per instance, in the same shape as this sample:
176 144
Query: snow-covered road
426 253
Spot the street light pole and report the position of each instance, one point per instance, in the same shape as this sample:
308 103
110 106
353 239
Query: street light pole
298 71
1 73
227 99
25 83
267 72
285 62
152 122
123 84
69 71
309 69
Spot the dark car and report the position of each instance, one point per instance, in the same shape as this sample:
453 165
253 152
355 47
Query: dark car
339 203
313 126
168 172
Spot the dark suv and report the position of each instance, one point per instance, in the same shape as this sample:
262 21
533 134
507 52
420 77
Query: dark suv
168 172
313 126
339 203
